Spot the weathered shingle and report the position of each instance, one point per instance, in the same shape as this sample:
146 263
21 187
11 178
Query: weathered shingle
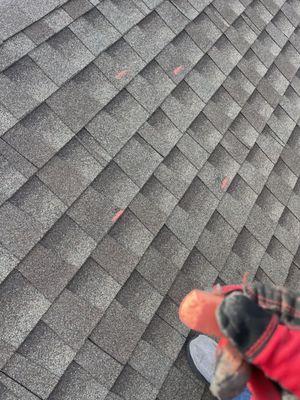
39 136
71 318
95 32
21 308
120 63
24 86
79 100
70 171
118 332
120 14
62 56
149 37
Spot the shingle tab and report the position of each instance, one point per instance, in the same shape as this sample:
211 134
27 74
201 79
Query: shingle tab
62 56
138 160
205 78
160 132
225 55
139 297
182 106
179 56
203 31
79 100
120 14
46 271
16 225
95 31
75 8
48 26
24 86
176 172
11 179
70 171
21 308
120 63
69 241
13 49
39 136
118 332
150 363
149 37
45 348
150 87
117 122
172 16
132 386
99 364
94 285
71 318
77 382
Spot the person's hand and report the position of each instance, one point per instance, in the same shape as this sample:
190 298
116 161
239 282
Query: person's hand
262 339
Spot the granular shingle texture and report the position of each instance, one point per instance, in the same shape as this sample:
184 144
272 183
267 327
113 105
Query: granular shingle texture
147 147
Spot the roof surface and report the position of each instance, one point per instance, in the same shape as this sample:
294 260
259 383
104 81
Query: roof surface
147 147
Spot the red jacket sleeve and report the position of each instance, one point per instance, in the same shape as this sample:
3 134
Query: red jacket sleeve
280 358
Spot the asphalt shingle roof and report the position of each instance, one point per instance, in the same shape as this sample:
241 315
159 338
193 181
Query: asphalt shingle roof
147 147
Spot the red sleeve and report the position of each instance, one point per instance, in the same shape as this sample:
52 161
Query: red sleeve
280 359
261 387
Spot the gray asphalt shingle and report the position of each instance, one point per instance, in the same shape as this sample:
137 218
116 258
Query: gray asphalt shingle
148 147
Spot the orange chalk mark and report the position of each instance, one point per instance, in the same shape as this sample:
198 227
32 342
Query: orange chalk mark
117 215
121 74
178 70
225 183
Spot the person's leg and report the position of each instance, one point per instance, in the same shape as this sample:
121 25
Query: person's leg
202 360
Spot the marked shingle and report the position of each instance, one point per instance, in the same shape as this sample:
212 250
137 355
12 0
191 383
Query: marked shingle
120 63
178 58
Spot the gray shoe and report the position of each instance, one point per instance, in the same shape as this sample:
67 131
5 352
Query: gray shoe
201 354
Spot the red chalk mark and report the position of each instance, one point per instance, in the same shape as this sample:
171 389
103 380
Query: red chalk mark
121 74
178 70
117 215
225 183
